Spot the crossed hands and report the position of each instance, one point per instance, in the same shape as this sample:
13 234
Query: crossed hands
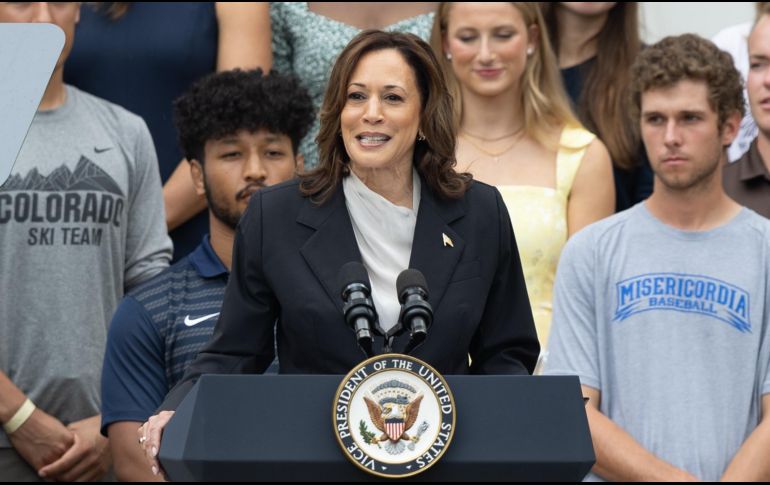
73 453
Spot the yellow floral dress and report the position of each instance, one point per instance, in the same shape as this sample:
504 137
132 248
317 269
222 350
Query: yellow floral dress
539 218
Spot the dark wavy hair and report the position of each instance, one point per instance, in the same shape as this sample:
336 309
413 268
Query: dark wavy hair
434 157
689 57
227 102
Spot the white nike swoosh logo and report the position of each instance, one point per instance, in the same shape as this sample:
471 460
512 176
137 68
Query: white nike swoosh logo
190 322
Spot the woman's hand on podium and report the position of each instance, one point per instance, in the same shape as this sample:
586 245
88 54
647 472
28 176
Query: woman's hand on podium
149 438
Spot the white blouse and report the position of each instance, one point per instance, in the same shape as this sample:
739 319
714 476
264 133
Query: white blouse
384 233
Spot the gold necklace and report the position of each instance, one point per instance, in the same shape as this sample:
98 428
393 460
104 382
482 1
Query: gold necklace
467 133
493 155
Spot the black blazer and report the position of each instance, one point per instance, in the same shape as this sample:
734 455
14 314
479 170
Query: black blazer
287 257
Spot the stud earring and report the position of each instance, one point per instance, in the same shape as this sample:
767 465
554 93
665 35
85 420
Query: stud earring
449 57
530 50
420 136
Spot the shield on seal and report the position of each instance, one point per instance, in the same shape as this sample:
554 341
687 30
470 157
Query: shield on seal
394 428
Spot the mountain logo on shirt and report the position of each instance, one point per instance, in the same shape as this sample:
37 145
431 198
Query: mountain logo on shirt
87 176
66 207
683 293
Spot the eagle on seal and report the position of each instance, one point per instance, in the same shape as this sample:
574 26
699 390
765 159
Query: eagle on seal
394 418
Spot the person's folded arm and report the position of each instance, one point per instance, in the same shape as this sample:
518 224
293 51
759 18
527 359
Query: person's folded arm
751 463
619 457
42 439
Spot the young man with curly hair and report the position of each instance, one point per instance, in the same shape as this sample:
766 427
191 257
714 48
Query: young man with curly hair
662 310
240 130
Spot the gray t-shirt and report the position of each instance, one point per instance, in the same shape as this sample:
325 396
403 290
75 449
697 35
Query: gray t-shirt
81 221
672 328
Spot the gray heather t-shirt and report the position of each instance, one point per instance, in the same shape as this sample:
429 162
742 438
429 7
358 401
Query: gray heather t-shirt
672 328
81 221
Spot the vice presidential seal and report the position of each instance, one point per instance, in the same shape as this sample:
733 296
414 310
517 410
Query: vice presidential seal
394 416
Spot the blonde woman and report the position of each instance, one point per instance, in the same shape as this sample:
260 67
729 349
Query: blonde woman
516 131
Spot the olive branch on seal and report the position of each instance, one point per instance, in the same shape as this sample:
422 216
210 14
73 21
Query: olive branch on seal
367 435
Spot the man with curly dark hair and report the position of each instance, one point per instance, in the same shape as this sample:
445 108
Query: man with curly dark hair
662 310
240 130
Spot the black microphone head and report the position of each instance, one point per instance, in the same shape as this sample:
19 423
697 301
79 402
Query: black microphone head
409 278
353 272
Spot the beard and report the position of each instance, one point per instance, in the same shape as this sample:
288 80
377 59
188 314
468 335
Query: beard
226 212
685 182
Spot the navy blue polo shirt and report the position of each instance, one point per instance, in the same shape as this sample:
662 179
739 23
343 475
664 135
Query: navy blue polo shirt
156 332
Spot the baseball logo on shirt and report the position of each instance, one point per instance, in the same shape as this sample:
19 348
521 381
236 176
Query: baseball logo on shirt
683 293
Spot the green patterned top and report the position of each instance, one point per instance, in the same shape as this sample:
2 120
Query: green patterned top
307 44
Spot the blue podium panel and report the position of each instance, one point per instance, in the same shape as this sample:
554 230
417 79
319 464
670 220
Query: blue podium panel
279 428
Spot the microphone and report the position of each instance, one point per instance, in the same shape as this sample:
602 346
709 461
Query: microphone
416 312
358 307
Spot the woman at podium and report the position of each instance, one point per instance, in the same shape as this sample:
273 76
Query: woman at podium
384 194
